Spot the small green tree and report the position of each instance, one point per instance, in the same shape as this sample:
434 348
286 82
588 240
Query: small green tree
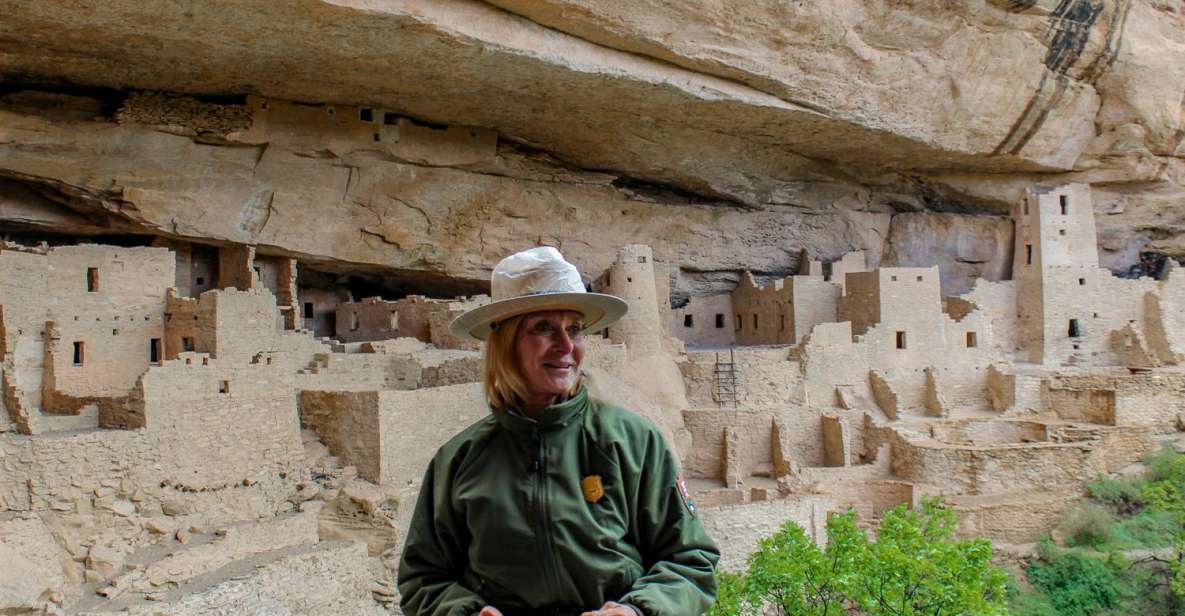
916 567
1177 571
913 567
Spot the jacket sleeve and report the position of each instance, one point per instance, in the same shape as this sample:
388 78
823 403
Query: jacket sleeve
680 579
433 559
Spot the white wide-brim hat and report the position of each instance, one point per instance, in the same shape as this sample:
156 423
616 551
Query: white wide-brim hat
533 280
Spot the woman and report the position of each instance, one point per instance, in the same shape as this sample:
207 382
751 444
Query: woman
555 503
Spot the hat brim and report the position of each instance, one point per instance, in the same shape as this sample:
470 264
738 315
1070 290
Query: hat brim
599 310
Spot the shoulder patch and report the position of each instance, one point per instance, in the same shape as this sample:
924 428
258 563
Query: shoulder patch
681 486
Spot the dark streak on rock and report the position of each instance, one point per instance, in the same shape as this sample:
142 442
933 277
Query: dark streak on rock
1020 6
1071 24
1102 62
670 194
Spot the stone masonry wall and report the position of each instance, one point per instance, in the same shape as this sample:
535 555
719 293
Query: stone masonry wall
376 319
762 315
413 424
196 439
706 322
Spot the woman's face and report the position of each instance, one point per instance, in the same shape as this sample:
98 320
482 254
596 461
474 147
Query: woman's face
550 346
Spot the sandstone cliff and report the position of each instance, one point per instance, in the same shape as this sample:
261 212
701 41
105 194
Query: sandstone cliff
726 135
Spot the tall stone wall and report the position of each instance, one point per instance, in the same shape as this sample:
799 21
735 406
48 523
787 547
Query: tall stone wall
762 315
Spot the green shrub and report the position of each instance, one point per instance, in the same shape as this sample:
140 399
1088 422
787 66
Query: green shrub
730 594
1150 528
1079 583
1177 573
1028 601
913 567
1122 494
1090 525
1126 513
1166 465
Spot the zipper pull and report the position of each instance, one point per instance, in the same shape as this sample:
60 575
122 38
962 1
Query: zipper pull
536 446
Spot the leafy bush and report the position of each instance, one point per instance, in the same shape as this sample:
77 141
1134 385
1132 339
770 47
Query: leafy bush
1091 577
913 567
1027 601
1149 528
1079 583
1166 464
1090 525
1177 573
1122 494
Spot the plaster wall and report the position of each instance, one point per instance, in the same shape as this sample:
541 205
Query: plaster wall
705 313
322 304
813 301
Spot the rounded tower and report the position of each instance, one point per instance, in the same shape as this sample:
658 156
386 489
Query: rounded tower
631 277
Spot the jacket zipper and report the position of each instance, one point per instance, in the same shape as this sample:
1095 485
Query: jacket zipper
543 530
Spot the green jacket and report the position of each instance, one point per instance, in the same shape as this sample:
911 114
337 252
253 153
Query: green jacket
503 520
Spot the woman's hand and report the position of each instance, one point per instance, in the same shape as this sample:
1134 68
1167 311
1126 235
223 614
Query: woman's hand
612 609
493 611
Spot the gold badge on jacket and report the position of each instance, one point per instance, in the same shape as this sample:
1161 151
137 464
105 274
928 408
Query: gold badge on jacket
593 490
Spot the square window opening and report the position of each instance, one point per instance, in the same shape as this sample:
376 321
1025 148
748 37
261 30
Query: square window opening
688 321
919 278
389 118
187 344
365 114
200 281
972 342
1075 331
1082 282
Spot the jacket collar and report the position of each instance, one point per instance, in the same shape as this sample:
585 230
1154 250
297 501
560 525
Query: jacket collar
554 417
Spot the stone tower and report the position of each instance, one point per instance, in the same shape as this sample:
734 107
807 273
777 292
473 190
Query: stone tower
631 277
1056 269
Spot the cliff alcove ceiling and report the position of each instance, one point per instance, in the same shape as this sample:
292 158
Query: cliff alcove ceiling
792 125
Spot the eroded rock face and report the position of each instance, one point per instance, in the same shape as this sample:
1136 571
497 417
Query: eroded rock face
726 135
368 209
963 247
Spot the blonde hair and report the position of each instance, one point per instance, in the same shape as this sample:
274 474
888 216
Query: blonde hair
505 385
